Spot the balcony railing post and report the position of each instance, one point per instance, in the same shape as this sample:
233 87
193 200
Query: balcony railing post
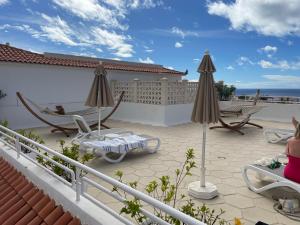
78 184
164 91
135 89
18 147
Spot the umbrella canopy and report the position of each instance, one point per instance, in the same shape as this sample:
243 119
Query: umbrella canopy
205 111
100 93
206 107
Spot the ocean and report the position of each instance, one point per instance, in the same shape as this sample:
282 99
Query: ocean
270 92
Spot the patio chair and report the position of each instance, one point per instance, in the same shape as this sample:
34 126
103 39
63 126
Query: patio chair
85 132
119 142
274 135
275 174
40 110
238 125
114 149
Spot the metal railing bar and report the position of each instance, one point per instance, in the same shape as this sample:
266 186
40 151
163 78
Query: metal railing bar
48 170
107 209
154 202
121 199
52 161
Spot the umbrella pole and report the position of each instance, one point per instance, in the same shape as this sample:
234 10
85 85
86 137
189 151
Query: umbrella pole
202 178
99 121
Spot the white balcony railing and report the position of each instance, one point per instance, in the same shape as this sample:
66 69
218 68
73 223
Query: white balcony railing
79 183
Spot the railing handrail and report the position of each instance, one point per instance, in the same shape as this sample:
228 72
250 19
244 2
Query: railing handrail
140 195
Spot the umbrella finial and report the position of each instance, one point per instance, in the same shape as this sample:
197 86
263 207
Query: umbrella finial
206 52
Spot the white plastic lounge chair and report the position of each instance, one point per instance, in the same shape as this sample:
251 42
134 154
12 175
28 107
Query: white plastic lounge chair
85 132
275 174
278 135
115 148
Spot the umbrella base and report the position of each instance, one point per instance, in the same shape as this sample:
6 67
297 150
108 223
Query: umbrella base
208 192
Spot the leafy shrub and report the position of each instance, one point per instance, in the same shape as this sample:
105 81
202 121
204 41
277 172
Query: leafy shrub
71 152
166 191
224 91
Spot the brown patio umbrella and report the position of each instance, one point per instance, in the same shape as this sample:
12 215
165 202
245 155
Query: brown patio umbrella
205 111
100 93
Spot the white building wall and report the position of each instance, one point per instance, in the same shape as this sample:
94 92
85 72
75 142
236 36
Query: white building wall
50 86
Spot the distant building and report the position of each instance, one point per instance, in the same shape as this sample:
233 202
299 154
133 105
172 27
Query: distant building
60 79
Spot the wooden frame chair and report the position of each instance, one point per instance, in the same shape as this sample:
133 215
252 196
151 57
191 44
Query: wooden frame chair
238 125
63 129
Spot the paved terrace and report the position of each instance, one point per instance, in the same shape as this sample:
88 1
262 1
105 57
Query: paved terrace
228 152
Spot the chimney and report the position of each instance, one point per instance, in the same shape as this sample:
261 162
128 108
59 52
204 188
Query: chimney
7 44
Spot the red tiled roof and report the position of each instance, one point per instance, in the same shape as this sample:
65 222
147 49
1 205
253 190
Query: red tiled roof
22 203
12 54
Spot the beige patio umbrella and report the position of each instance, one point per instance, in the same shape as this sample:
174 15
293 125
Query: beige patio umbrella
205 111
100 93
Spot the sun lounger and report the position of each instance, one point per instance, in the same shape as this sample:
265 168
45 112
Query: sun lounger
115 147
85 132
275 174
278 135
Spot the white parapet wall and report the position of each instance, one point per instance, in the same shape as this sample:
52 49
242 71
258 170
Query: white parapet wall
276 112
156 115
170 115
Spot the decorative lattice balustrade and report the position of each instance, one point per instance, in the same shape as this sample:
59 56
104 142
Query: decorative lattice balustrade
161 92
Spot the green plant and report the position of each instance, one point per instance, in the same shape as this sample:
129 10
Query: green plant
224 91
32 136
71 152
166 190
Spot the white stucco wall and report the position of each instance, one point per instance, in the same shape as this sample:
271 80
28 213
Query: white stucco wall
50 86
275 112
156 115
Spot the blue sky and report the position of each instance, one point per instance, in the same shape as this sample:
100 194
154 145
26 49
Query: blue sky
254 44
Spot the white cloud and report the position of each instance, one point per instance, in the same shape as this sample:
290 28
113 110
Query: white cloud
272 81
113 41
229 68
289 43
93 10
281 64
57 30
147 60
183 33
149 50
269 49
3 2
267 17
243 60
178 45
170 67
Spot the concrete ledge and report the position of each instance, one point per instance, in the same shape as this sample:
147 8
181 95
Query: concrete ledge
88 212
155 115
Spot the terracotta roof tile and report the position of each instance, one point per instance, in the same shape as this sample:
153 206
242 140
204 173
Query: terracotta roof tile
22 203
12 54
